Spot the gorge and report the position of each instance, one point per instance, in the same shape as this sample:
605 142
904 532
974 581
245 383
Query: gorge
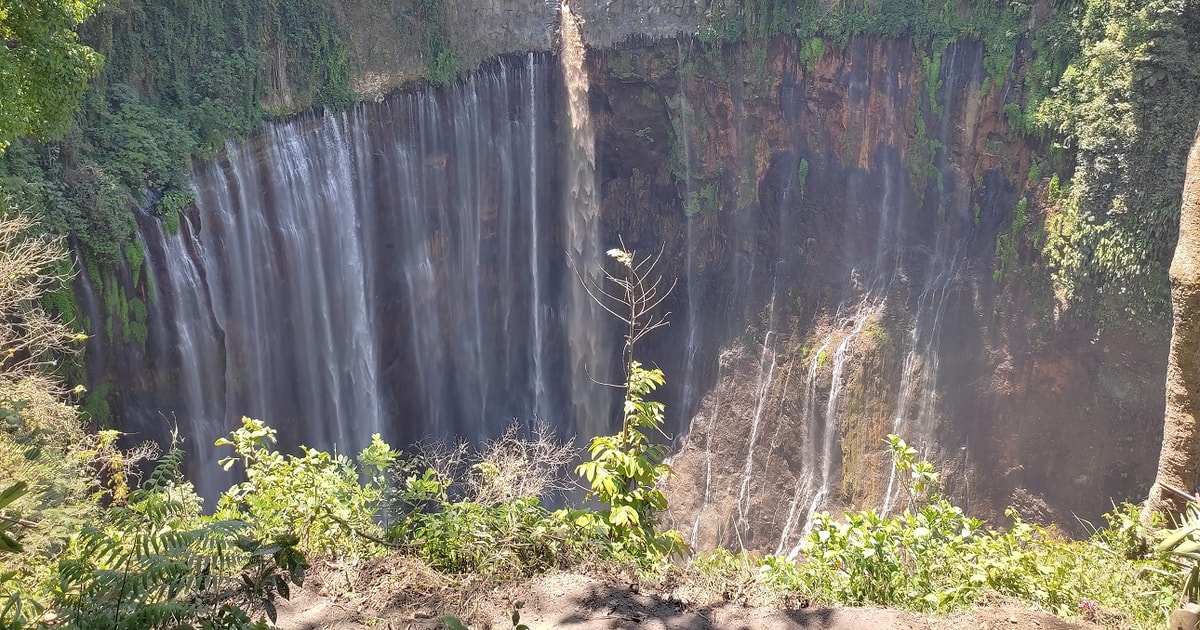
855 233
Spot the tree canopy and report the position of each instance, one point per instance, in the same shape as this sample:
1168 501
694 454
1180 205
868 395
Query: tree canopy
44 69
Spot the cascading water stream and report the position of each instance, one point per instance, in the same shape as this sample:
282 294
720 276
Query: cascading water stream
384 270
863 312
916 407
766 371
692 284
812 453
896 261
323 320
589 366
539 368
199 361
91 309
920 370
708 464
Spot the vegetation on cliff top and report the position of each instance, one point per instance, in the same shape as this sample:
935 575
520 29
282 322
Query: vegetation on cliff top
1125 109
44 69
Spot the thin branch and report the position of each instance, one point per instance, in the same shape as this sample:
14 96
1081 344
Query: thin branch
599 382
362 534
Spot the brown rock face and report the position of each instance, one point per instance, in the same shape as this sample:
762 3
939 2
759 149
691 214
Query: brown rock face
834 227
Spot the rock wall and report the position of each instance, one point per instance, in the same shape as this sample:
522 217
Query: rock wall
836 225
868 284
385 48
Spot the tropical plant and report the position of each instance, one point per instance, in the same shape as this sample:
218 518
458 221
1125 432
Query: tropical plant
933 558
156 562
923 480
315 495
8 544
625 468
44 69
1182 544
518 537
496 525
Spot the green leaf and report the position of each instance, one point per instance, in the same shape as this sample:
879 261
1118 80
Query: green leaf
453 622
8 545
12 493
623 516
297 573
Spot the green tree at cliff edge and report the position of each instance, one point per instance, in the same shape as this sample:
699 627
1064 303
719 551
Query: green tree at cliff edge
43 67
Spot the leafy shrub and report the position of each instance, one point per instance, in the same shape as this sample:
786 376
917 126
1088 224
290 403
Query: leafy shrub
315 495
1125 110
157 562
623 472
170 205
514 538
933 558
496 526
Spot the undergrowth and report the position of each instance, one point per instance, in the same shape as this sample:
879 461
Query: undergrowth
932 558
152 555
84 543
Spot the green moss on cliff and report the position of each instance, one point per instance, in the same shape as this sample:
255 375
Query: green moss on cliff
180 78
1108 86
1125 109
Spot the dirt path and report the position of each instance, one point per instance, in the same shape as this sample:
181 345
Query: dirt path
583 603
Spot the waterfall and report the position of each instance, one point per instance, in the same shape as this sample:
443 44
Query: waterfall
189 322
766 370
708 465
389 269
589 366
86 295
916 409
895 260
691 280
806 487
414 268
535 258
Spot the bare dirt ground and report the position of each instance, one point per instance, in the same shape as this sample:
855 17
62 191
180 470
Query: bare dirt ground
397 594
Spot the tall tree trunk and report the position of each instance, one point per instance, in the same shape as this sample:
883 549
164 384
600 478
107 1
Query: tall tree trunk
1179 462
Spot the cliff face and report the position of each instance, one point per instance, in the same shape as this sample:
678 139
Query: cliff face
386 52
838 227
854 228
